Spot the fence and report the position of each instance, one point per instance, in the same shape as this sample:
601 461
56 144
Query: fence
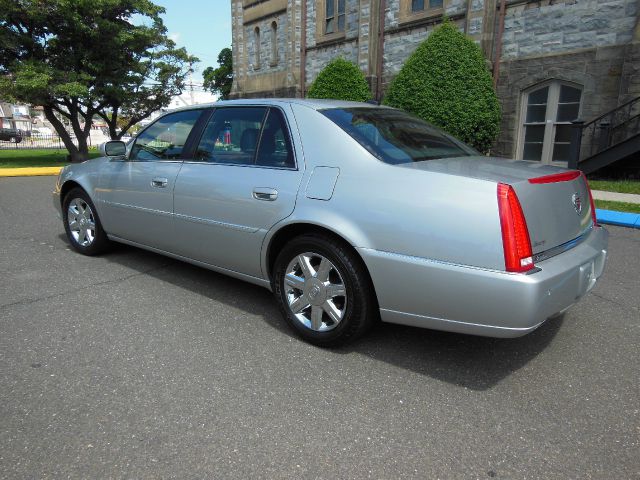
38 141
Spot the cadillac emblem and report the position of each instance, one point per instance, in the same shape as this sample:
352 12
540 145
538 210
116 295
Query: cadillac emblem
577 203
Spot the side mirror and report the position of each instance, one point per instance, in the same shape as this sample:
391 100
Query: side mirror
113 148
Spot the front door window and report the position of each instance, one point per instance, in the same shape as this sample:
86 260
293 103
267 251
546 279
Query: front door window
548 113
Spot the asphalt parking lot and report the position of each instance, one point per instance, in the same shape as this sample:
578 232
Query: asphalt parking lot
133 365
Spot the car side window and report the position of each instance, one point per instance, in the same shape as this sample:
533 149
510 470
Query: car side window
275 145
165 139
231 136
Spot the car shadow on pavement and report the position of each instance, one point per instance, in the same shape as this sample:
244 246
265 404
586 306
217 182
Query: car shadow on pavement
477 363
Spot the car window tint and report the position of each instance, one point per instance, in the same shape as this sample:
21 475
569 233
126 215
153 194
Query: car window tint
231 136
165 139
394 136
275 145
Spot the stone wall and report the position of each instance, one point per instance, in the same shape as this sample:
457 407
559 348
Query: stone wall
318 58
266 60
541 28
630 79
399 45
320 52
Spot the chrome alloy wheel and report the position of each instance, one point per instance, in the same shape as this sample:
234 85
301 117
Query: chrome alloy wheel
82 223
315 292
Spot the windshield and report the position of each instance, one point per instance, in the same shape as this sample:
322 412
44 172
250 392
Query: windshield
395 137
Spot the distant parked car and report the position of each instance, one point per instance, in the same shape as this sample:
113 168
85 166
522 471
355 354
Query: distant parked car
41 132
12 135
347 212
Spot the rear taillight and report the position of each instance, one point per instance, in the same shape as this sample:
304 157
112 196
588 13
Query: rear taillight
518 256
593 205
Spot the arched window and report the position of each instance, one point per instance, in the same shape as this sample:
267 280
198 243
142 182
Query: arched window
256 41
274 43
546 116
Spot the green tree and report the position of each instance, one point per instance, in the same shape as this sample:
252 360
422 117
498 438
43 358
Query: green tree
84 58
219 80
340 80
446 82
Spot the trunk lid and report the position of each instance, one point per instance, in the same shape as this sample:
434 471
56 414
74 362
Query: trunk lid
557 209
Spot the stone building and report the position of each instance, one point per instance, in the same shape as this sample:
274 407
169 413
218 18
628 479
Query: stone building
552 60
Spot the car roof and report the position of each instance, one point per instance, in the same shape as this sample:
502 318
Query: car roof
315 103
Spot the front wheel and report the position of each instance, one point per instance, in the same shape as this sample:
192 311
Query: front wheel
82 224
323 290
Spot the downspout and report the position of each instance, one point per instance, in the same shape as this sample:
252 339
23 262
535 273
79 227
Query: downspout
381 22
496 61
303 49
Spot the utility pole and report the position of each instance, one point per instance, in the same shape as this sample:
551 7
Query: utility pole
191 95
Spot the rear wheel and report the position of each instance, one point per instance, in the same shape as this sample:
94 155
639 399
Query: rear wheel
82 224
323 290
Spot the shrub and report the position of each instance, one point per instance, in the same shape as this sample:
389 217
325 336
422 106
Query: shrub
446 82
341 80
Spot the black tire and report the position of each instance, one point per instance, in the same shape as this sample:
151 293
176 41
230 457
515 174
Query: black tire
360 311
100 242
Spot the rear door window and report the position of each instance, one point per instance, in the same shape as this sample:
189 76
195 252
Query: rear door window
232 136
275 145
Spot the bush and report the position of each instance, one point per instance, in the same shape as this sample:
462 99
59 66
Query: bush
341 80
446 82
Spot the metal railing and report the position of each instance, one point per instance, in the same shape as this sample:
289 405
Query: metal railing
605 131
38 141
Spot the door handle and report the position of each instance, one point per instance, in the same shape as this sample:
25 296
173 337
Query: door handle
262 193
159 182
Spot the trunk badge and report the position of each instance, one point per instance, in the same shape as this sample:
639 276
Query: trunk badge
577 203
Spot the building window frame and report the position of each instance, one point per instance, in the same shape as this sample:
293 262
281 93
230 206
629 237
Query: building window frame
429 9
274 44
256 52
552 137
338 18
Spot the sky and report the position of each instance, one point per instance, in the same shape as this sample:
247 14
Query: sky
203 27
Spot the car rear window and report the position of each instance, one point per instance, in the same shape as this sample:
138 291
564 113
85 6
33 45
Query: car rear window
395 137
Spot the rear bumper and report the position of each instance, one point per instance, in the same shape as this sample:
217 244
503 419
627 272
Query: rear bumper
431 294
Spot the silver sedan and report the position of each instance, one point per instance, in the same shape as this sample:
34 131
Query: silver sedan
348 212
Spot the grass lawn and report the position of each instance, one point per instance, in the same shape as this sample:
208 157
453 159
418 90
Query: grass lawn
620 186
45 157
619 206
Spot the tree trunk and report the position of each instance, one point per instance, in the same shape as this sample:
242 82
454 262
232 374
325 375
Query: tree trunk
112 123
113 126
75 154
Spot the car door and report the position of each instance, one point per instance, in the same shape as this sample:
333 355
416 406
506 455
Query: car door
136 195
242 180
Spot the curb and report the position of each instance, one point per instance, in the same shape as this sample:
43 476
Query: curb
29 171
621 219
